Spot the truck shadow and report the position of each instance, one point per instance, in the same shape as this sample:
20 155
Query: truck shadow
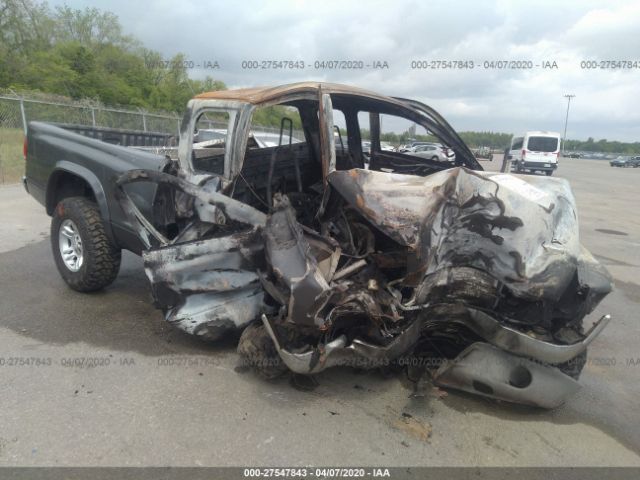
37 303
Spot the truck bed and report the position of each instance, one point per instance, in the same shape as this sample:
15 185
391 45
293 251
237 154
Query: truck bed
62 157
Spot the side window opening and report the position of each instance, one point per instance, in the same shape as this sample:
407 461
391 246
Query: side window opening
402 135
278 159
266 124
404 146
209 142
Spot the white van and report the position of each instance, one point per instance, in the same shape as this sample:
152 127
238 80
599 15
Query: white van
536 151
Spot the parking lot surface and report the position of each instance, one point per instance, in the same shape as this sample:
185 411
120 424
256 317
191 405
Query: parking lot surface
101 379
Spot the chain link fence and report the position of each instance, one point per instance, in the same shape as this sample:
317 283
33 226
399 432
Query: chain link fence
16 111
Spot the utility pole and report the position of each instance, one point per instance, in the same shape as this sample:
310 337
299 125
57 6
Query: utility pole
566 120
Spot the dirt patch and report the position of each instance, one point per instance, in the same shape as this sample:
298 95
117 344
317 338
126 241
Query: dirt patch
414 427
409 424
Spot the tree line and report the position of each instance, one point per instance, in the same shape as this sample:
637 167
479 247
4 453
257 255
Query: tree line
500 141
85 54
604 146
493 140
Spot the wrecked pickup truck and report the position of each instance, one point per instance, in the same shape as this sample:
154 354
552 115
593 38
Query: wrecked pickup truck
324 262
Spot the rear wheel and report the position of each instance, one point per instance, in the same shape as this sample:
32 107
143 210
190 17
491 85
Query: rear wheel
86 258
549 173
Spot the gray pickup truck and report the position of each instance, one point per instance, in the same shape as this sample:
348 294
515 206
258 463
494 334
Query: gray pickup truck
476 278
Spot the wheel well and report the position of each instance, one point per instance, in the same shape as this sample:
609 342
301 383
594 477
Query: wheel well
63 184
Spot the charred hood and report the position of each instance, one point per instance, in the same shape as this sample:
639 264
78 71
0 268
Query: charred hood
523 232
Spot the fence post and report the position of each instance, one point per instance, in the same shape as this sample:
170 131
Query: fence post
24 116
144 122
93 116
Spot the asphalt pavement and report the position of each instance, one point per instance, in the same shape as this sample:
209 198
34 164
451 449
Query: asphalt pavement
101 379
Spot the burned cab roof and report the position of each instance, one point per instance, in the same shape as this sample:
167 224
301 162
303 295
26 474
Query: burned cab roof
258 95
353 97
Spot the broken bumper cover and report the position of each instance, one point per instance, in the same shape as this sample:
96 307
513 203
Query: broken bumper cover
512 366
338 353
521 344
489 371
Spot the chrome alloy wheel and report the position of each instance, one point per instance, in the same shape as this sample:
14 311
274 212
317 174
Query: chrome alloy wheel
70 245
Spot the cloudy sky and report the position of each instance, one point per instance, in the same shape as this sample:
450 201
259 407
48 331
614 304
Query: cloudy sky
607 102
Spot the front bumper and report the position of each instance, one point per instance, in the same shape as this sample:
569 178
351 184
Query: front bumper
508 365
513 366
519 343
486 370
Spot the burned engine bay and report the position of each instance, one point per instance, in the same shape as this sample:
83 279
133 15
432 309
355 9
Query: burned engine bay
480 271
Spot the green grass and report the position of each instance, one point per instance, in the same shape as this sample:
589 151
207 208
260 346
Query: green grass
11 160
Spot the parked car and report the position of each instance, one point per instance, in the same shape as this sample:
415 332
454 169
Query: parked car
209 134
412 146
387 147
434 152
483 152
535 151
625 161
320 262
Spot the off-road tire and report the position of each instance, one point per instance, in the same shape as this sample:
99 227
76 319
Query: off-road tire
256 350
101 258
